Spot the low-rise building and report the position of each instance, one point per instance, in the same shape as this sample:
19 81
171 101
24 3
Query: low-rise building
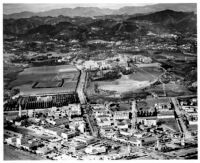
12 133
147 121
68 134
95 149
166 114
86 139
56 131
74 146
43 150
75 109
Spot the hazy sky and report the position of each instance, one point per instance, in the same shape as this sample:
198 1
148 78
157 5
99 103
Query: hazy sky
16 8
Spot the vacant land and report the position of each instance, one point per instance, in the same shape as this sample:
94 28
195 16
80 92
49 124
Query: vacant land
11 153
47 74
146 74
143 77
127 86
10 73
123 85
170 122
171 89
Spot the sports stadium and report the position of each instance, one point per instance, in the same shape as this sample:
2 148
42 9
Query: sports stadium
47 86
47 80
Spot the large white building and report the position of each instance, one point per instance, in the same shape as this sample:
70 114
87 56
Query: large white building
85 139
95 149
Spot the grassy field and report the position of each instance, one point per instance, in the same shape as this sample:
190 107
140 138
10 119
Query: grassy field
193 128
46 73
10 73
170 122
171 89
146 73
26 79
11 153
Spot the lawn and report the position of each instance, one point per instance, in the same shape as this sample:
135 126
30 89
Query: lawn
11 153
170 122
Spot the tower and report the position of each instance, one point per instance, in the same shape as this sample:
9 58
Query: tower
158 143
129 149
20 110
183 140
133 115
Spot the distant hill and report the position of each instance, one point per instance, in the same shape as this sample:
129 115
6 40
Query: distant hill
130 10
95 11
180 21
62 27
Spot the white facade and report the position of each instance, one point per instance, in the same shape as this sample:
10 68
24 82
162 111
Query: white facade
95 149
121 115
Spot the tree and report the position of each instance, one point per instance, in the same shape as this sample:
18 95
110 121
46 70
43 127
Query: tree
14 91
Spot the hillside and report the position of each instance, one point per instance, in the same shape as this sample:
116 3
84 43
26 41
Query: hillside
95 11
163 21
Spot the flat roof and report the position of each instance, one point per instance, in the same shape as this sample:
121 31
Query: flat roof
56 129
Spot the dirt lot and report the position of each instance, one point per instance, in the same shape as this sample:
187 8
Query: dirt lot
126 86
140 79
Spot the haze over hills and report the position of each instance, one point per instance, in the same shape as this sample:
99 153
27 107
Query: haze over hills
95 11
63 27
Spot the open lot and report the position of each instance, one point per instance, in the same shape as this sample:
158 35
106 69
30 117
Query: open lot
170 122
128 86
143 77
11 153
47 76
146 74
171 89
123 85
46 73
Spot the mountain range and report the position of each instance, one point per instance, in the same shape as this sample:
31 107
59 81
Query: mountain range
95 11
63 27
